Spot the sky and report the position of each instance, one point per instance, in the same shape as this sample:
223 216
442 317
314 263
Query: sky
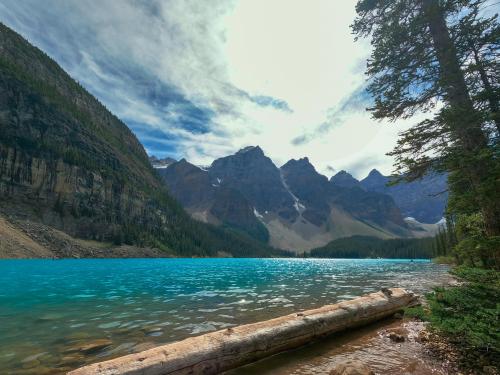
201 79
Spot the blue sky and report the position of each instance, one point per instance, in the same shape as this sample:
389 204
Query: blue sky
202 79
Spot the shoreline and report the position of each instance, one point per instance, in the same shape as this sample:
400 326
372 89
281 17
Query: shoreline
231 348
368 349
413 350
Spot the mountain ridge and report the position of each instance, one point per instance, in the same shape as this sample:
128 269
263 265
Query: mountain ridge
299 207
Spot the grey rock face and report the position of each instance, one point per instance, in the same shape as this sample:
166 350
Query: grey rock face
255 176
424 199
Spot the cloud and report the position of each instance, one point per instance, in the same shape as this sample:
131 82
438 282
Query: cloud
201 79
357 101
266 101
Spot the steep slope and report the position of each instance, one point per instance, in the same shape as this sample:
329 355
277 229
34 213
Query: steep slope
213 203
189 184
67 162
424 199
293 207
255 176
344 179
310 188
319 196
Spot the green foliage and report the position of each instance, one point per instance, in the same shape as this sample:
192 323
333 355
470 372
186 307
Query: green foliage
418 312
468 316
479 251
372 247
466 239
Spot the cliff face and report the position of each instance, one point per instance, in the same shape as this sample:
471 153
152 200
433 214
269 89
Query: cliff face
292 207
62 154
424 199
211 202
67 162
318 195
255 176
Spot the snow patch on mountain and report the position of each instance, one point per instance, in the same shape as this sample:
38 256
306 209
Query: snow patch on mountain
257 214
299 207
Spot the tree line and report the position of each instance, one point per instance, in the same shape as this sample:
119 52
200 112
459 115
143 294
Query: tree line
373 247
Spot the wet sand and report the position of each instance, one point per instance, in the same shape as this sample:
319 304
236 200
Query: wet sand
369 345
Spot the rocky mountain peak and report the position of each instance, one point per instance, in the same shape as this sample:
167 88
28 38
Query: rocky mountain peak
252 173
344 179
255 150
309 187
161 162
374 179
374 173
303 167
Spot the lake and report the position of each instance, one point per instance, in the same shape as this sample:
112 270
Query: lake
56 315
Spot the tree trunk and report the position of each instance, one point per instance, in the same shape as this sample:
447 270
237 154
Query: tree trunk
465 122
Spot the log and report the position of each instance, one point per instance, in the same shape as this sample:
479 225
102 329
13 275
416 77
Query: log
230 348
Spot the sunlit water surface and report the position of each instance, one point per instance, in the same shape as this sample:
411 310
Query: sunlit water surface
57 315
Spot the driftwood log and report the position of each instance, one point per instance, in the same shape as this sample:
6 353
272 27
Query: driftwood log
223 350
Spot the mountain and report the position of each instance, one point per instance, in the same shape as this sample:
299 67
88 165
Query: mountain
161 163
254 175
71 171
205 199
309 188
424 199
344 179
318 195
293 207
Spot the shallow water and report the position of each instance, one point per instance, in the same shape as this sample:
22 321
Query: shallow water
369 345
57 315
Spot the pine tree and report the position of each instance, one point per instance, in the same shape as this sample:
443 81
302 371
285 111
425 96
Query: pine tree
421 62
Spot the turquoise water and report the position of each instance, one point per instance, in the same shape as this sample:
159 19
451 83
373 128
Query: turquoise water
56 315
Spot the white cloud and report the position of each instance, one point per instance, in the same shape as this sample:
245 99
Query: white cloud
217 55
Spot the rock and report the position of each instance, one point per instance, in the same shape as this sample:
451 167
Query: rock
422 337
90 347
396 337
398 315
351 368
74 359
95 345
30 364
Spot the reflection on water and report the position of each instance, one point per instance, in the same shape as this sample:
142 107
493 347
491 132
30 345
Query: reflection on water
58 315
